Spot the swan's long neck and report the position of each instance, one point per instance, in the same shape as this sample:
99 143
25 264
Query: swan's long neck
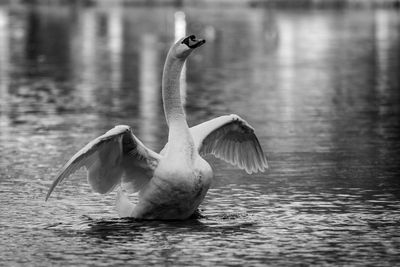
173 108
179 135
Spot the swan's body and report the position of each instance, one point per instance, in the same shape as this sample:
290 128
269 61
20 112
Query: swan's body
172 183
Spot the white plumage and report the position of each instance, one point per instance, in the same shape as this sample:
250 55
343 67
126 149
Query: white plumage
172 183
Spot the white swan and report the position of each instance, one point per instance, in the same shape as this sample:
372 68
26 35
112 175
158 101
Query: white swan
172 183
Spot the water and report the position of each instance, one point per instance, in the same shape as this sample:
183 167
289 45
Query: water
321 88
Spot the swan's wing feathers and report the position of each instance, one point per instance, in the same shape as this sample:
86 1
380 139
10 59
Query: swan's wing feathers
103 158
83 157
139 164
232 139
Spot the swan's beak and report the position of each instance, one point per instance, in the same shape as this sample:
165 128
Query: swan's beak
192 42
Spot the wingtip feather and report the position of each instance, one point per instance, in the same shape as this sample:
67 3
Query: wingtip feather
58 180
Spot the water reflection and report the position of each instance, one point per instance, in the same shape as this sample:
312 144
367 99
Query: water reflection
115 44
303 49
84 56
150 67
321 88
4 65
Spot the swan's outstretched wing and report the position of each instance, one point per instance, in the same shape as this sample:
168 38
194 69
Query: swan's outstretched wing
232 139
115 154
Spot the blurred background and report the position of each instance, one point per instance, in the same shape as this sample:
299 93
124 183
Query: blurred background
317 79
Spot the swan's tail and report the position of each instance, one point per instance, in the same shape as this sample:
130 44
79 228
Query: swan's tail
123 205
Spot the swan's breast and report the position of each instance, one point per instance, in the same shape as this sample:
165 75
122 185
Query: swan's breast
175 191
182 180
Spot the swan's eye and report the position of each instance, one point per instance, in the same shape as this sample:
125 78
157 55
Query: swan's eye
192 42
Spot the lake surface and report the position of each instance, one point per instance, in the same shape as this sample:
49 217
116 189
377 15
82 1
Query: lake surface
321 88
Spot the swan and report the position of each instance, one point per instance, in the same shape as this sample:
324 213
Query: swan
171 184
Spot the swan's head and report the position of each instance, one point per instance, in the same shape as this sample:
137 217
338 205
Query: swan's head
185 46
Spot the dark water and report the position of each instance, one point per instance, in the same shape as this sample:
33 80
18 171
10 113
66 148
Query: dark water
321 88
